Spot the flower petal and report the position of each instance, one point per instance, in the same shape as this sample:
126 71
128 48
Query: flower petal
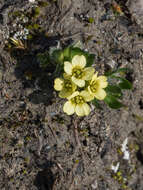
66 76
86 95
102 80
82 109
89 90
100 94
76 93
74 86
86 108
94 77
68 67
79 60
79 110
69 108
64 93
88 73
58 84
78 82
103 84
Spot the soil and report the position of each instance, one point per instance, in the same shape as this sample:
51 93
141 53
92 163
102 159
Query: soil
40 148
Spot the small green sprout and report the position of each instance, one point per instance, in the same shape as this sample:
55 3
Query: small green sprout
91 20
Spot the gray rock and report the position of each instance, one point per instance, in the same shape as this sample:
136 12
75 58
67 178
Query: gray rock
136 9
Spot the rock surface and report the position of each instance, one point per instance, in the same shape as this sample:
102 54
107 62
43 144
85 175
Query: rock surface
38 147
136 9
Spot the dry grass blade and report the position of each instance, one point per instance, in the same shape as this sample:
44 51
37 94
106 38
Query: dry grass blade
18 44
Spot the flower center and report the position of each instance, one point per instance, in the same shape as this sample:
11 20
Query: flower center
78 100
68 85
94 86
77 73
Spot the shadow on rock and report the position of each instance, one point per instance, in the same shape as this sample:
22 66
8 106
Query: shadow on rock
140 156
34 77
44 180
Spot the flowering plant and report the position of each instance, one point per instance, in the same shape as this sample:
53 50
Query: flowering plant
80 84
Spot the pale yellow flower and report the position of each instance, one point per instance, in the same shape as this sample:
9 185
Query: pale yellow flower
76 69
65 86
77 103
97 85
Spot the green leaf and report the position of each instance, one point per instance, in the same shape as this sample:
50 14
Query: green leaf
66 52
90 60
57 56
97 104
112 102
113 89
124 84
44 59
124 70
76 51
